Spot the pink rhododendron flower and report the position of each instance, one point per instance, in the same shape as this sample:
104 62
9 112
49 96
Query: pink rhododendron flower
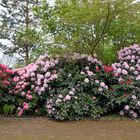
25 106
16 91
71 92
124 72
29 97
138 77
16 79
22 93
60 96
67 97
126 107
82 72
102 84
136 72
97 81
20 113
45 85
100 89
86 80
90 73
135 115
119 70
48 74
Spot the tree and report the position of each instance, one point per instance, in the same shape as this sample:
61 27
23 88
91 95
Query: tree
46 14
90 26
19 26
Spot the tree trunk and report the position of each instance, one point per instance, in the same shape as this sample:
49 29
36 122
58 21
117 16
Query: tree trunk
26 37
26 54
101 36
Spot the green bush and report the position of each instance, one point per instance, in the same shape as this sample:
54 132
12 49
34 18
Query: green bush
84 89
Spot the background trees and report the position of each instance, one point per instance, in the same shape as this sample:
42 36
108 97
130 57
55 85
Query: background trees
18 25
95 26
100 27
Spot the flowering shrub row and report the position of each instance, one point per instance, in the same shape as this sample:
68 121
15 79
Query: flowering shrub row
129 66
74 86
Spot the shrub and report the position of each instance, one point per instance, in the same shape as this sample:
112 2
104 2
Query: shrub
73 86
32 85
132 107
6 83
84 88
5 76
129 67
129 62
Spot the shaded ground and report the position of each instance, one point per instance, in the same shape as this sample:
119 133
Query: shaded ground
44 129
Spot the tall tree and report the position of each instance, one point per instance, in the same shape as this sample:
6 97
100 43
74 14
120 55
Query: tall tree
90 25
19 25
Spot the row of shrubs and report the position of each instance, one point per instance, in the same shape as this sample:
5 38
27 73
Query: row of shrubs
73 87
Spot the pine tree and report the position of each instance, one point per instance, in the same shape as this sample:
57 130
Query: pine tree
19 25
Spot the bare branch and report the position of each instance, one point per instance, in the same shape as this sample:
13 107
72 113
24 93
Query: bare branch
103 31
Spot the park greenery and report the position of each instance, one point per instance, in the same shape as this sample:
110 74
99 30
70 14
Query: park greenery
76 59
73 86
101 27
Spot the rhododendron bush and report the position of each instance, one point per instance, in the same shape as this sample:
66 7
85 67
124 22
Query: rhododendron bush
84 88
32 85
5 76
70 87
129 62
129 66
6 83
75 86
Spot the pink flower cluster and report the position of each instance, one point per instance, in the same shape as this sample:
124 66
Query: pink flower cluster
93 59
133 108
92 73
5 75
34 78
37 75
21 110
129 62
51 104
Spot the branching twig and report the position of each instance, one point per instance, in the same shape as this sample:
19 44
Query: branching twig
103 31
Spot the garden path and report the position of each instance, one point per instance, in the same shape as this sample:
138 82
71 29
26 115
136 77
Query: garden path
44 129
